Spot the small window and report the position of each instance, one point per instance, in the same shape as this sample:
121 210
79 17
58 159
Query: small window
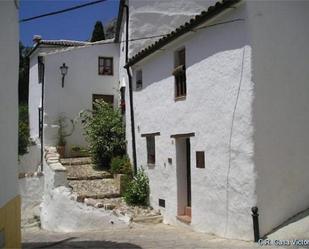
40 69
200 159
105 66
151 152
107 98
123 100
180 74
139 79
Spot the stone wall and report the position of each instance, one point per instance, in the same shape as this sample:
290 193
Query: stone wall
60 211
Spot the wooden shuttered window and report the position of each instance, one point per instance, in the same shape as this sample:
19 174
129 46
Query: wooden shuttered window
151 149
105 66
180 74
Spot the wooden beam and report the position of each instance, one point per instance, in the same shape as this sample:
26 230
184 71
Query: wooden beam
183 135
151 134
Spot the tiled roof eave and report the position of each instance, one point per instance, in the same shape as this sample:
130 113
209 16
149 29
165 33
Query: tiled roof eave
204 16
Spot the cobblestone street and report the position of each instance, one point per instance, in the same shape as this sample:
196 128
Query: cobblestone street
139 236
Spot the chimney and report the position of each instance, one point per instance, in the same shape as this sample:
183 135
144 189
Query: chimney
37 39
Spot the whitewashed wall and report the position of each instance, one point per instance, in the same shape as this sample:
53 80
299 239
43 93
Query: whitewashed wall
9 38
81 81
280 38
218 61
145 16
35 92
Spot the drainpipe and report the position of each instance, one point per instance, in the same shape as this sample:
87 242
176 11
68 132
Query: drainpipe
130 90
42 116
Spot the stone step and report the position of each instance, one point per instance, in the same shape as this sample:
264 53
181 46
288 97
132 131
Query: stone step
76 161
85 172
184 218
95 189
81 198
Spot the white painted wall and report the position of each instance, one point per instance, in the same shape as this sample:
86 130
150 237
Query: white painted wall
80 83
280 39
35 91
218 63
145 18
9 38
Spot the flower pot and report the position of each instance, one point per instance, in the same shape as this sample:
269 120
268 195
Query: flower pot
61 150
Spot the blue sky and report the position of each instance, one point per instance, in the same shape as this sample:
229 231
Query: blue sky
74 25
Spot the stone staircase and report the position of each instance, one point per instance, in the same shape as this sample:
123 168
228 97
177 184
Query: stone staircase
87 182
99 189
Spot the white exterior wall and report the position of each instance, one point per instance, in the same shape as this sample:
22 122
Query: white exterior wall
218 62
35 92
35 97
81 81
145 18
280 39
8 100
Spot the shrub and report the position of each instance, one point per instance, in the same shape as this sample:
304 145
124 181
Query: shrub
23 130
137 190
105 133
121 165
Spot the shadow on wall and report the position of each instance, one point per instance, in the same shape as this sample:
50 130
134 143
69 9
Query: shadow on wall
68 243
204 44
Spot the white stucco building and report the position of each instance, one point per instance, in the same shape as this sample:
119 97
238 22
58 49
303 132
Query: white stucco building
92 74
10 235
221 117
36 79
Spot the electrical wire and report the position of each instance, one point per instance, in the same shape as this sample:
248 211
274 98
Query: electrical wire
230 141
61 11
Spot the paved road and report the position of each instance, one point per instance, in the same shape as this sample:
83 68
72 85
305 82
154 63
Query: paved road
138 237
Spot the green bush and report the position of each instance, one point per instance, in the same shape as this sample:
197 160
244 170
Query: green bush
23 130
137 190
105 133
121 165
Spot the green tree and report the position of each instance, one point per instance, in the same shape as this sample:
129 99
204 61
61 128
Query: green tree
23 130
105 133
98 32
23 80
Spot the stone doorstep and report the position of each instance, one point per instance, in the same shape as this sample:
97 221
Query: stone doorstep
148 219
184 218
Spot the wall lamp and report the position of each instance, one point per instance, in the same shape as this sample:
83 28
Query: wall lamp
64 71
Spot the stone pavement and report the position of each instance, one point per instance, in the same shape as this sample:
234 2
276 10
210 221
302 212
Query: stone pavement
137 237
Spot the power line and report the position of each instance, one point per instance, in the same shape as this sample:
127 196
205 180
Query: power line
61 11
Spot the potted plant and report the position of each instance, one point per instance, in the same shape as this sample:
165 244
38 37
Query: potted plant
61 146
62 134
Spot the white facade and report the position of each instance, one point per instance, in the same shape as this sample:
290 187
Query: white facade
80 84
218 60
10 234
280 55
147 19
246 104
8 100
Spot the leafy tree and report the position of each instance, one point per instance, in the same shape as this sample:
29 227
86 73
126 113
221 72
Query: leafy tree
98 32
23 81
105 133
23 130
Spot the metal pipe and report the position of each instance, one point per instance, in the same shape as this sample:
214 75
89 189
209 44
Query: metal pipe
130 91
255 218
42 116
